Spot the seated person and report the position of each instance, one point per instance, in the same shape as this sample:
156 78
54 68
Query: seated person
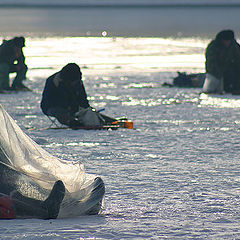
12 60
64 96
223 64
18 206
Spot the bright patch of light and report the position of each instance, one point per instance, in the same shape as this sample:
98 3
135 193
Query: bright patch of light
112 97
104 33
224 101
114 54
85 144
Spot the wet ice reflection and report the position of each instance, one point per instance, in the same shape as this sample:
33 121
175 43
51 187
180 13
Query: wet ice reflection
111 54
220 101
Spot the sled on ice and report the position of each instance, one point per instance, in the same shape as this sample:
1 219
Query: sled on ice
184 80
115 124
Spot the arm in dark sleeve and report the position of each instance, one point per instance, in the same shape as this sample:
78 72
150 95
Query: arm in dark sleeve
7 53
237 56
82 97
21 58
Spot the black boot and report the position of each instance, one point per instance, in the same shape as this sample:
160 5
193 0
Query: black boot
54 200
26 207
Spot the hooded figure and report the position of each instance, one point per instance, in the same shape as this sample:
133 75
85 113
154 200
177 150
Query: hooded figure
223 64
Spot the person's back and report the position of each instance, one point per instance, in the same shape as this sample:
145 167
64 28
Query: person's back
7 53
12 60
220 58
53 95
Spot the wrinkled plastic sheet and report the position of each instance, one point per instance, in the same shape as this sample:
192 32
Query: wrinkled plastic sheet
29 169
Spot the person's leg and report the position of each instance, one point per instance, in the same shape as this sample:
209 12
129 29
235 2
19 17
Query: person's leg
64 117
236 82
4 76
61 114
28 207
31 208
54 200
229 80
18 80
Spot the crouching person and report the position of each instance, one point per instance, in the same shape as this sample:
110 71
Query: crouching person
12 60
64 97
223 64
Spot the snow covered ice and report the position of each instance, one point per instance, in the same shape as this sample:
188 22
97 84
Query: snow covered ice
176 176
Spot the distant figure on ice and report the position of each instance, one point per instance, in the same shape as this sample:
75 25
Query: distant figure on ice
12 60
223 64
64 97
18 206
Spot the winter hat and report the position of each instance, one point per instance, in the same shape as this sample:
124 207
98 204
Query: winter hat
19 41
225 35
71 72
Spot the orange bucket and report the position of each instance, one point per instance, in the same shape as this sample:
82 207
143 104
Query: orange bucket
128 124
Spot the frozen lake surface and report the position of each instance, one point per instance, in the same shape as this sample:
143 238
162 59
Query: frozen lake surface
175 176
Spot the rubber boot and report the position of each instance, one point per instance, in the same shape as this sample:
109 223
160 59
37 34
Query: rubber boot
31 208
18 80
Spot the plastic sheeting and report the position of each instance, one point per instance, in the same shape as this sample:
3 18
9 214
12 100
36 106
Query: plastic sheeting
29 169
212 84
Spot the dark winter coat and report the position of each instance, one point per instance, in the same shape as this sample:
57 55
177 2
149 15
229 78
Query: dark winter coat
220 59
8 53
57 94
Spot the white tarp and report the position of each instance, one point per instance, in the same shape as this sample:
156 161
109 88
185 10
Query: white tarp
29 169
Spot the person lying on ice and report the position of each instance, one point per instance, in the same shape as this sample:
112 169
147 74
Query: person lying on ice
18 206
64 97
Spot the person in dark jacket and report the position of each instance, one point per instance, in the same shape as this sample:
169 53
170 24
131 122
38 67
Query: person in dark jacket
63 94
12 60
223 64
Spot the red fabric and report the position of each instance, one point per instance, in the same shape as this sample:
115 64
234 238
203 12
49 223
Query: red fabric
6 208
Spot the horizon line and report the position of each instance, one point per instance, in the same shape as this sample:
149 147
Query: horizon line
159 5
